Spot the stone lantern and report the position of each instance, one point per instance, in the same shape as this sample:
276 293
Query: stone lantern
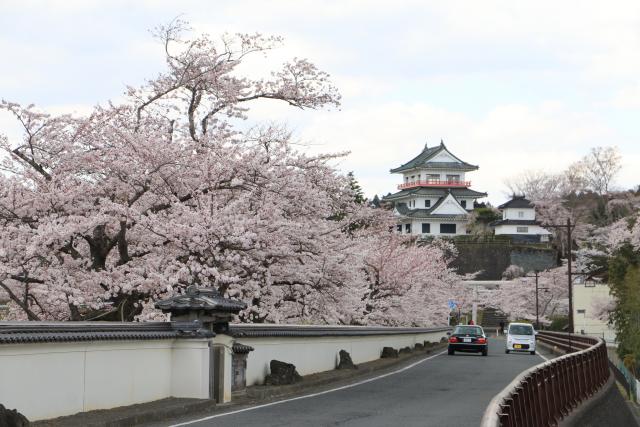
205 305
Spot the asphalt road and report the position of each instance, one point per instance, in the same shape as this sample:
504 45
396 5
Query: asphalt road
442 391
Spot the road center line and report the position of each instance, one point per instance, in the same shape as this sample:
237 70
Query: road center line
306 396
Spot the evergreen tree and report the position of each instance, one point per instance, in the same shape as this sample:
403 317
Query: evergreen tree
375 203
358 195
624 279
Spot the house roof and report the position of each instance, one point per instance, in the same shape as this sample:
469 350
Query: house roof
436 192
427 153
517 202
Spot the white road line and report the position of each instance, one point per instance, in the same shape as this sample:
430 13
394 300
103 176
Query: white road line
545 359
306 396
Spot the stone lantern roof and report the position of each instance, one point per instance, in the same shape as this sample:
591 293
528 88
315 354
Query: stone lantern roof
204 304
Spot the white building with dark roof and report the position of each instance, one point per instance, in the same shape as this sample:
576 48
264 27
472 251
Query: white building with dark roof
434 197
519 222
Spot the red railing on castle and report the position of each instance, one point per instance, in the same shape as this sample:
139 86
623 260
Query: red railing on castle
434 183
546 393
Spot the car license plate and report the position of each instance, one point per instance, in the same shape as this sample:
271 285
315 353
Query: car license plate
466 339
517 346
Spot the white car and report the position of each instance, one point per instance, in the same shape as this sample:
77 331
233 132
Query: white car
521 337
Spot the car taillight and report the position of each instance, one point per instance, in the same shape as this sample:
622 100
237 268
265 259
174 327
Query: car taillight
453 339
482 340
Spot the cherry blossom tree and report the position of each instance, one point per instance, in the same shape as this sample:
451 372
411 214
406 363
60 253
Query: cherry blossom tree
102 215
600 167
517 297
405 283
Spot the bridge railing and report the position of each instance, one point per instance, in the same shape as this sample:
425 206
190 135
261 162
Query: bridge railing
548 392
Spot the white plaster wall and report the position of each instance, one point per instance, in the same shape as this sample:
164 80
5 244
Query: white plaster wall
311 355
47 380
513 229
512 213
443 156
450 206
42 383
190 369
420 202
584 298
416 227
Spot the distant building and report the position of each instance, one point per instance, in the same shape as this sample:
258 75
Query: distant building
587 297
434 197
519 222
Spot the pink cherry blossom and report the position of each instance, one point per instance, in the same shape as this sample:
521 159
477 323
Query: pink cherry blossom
104 214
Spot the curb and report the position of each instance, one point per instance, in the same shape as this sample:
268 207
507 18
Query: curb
163 409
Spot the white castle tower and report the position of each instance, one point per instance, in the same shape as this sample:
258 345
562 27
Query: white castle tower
434 197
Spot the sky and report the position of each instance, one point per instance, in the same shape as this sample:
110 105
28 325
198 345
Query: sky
508 85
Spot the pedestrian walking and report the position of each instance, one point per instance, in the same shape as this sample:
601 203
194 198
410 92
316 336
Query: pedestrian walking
501 327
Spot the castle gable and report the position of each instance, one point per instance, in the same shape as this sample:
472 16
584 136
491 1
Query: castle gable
449 206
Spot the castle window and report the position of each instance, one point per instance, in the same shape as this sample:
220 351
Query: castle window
399 228
447 229
522 229
463 203
520 214
427 203
433 177
407 228
426 227
453 178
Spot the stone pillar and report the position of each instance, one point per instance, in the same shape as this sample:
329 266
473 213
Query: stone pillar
223 352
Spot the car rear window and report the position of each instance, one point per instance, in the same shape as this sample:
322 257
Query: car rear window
521 330
471 330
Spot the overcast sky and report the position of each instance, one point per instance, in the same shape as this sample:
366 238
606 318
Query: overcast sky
508 86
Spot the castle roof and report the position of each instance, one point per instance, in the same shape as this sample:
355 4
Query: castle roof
422 160
517 202
431 212
434 192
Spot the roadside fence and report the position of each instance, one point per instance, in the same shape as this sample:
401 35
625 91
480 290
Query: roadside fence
548 392
624 376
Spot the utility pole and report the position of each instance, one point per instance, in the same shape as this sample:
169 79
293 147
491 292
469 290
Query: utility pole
569 276
568 226
537 303
536 274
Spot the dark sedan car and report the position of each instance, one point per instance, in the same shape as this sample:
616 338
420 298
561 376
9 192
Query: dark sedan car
468 339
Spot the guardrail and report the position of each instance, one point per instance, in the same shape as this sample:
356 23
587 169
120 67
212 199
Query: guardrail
548 392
